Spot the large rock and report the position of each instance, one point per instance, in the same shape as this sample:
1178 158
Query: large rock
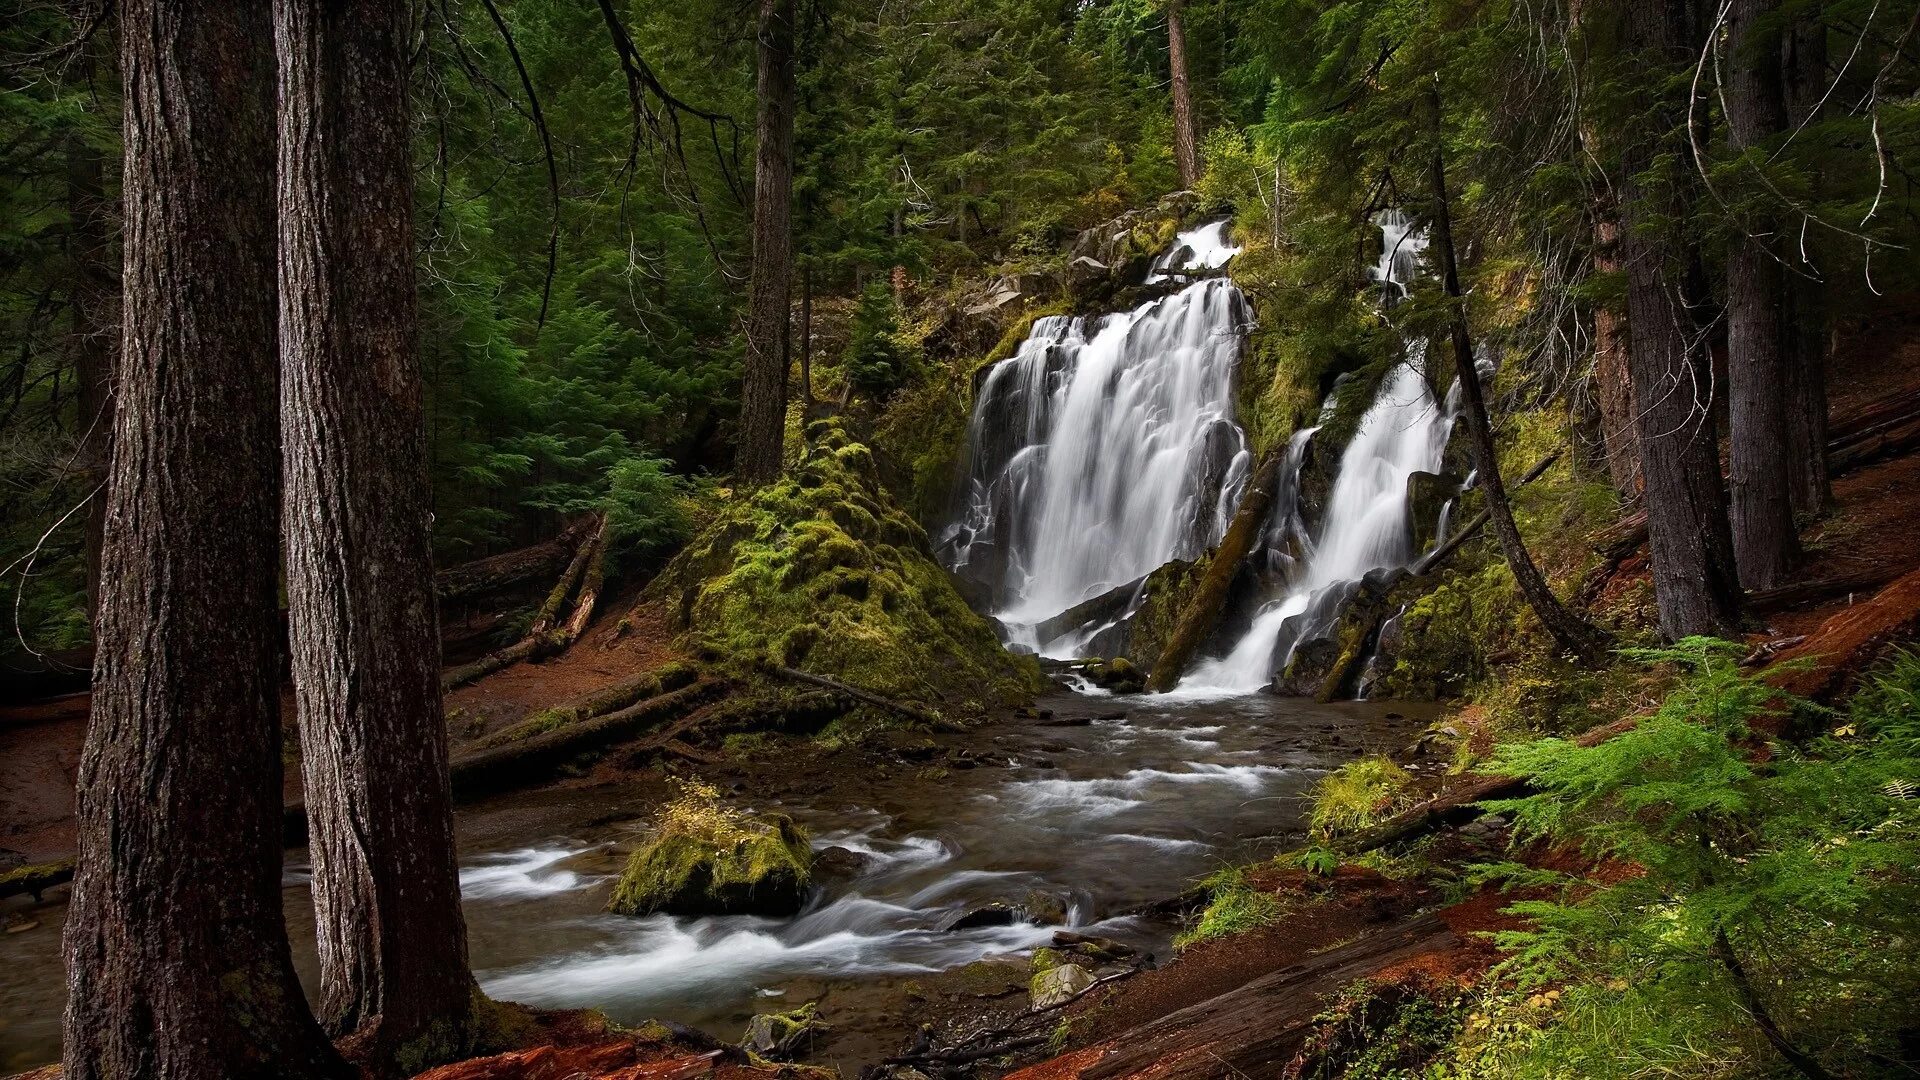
711 861
1427 495
1059 985
1327 665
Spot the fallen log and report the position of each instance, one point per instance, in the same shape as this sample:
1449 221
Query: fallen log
911 712
1824 664
1202 612
546 636
530 760
35 878
604 700
519 763
1255 1029
497 573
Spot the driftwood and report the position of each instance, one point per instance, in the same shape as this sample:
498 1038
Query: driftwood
1257 1028
35 878
547 636
911 712
1202 612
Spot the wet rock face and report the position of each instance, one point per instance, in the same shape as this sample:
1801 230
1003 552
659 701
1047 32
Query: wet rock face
1327 666
1427 495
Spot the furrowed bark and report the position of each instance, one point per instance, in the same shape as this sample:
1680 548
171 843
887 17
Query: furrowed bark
1572 633
1203 611
360 587
1695 582
1760 474
178 966
1804 80
763 390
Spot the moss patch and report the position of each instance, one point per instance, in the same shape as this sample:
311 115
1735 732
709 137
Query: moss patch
1358 794
822 571
1236 907
710 859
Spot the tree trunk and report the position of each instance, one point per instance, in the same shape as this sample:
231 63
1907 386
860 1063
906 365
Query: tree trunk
176 949
1571 633
763 391
1202 612
95 322
1613 381
360 586
1760 472
1186 141
1695 583
1804 71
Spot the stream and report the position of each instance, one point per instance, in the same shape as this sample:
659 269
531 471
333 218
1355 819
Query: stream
1104 816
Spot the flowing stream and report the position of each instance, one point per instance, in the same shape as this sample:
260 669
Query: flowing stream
1102 449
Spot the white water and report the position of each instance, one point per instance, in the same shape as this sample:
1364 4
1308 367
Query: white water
1205 247
1366 524
1105 447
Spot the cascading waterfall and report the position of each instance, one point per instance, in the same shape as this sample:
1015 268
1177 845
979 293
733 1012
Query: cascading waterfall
1366 524
1105 447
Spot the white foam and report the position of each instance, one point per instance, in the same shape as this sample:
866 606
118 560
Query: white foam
522 874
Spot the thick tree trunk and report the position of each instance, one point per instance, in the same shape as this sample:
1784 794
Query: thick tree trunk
1804 79
360 586
1186 139
95 325
1613 381
1760 473
177 956
1695 583
763 390
1570 632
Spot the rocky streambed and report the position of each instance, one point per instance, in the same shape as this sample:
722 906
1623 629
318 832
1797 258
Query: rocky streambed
956 856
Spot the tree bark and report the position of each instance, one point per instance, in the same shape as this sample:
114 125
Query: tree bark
1804 83
1760 472
1613 380
1186 141
763 390
1570 632
177 957
360 585
1695 583
95 321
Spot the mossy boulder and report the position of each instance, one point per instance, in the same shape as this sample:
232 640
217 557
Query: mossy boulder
784 1036
707 859
824 572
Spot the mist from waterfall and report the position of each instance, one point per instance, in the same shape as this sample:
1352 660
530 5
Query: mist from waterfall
1106 446
1365 526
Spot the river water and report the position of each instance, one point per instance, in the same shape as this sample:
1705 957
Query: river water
1106 816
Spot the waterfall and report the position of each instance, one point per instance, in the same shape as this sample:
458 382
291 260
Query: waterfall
1365 526
1105 446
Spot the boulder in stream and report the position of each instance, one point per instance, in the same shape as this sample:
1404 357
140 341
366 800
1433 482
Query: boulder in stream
710 859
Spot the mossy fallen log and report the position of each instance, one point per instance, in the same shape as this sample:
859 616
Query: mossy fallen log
598 703
1202 613
35 879
532 759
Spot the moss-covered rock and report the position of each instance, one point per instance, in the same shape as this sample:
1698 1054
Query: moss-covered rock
822 571
784 1036
709 859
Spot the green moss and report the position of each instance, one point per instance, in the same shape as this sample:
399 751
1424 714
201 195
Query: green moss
823 571
1163 598
709 859
1358 794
